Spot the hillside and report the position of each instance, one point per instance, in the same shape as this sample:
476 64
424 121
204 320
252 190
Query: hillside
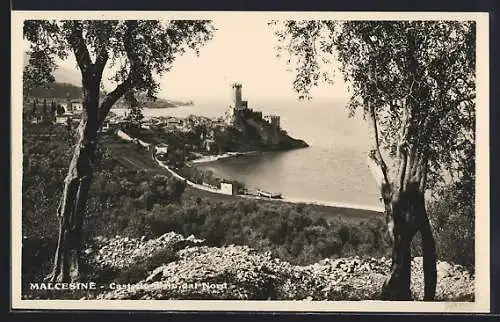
261 249
69 91
272 139
68 82
57 91
174 267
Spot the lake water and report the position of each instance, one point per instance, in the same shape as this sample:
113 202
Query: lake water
332 169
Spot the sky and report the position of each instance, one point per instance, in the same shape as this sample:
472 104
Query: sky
243 52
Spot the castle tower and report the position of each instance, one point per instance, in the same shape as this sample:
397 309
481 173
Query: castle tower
237 95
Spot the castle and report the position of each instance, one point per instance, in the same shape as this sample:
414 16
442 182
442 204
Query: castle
239 111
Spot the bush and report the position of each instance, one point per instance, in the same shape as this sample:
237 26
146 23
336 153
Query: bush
119 202
452 219
127 202
278 228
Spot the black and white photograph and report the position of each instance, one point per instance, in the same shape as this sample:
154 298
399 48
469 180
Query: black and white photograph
250 160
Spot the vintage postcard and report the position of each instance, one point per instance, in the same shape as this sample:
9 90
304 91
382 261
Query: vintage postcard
250 161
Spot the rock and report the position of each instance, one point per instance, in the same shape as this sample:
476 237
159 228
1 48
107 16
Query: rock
193 239
444 269
338 263
155 275
242 273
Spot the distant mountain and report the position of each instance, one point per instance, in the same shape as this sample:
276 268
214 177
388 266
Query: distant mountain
61 74
163 103
57 91
65 75
68 85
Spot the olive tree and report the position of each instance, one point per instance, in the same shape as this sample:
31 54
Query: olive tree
135 116
414 82
135 52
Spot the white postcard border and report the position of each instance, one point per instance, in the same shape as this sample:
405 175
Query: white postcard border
482 232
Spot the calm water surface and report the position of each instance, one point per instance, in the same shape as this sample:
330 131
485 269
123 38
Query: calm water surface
332 169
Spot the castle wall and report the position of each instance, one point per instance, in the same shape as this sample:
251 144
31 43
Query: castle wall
240 111
274 120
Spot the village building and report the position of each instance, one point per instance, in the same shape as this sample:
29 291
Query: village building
62 119
162 148
76 106
228 188
37 118
210 145
106 126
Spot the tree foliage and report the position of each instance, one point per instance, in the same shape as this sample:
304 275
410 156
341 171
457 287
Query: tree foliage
135 116
424 99
135 51
415 81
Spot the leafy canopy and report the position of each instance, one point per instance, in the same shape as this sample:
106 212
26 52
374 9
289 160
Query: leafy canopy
418 75
136 51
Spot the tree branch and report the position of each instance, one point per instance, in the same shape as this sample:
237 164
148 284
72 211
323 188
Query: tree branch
127 84
111 98
75 39
101 60
403 162
423 172
375 154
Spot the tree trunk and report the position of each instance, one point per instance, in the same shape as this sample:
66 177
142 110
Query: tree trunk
397 287
429 254
71 209
408 216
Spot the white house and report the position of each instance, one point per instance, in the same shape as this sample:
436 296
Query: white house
210 145
173 121
36 119
76 105
227 188
61 119
162 148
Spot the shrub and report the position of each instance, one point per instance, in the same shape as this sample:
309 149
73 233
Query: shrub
452 219
275 227
128 202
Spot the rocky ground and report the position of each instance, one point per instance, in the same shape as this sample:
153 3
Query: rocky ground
196 271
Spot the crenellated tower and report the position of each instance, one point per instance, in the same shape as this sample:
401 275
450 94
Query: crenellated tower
237 96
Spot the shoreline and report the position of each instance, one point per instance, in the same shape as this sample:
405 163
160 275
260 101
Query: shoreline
324 203
294 200
226 155
308 202
320 203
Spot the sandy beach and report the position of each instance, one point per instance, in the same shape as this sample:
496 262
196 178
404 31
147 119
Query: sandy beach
227 155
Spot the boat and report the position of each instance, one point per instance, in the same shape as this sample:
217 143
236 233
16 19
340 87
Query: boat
266 194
